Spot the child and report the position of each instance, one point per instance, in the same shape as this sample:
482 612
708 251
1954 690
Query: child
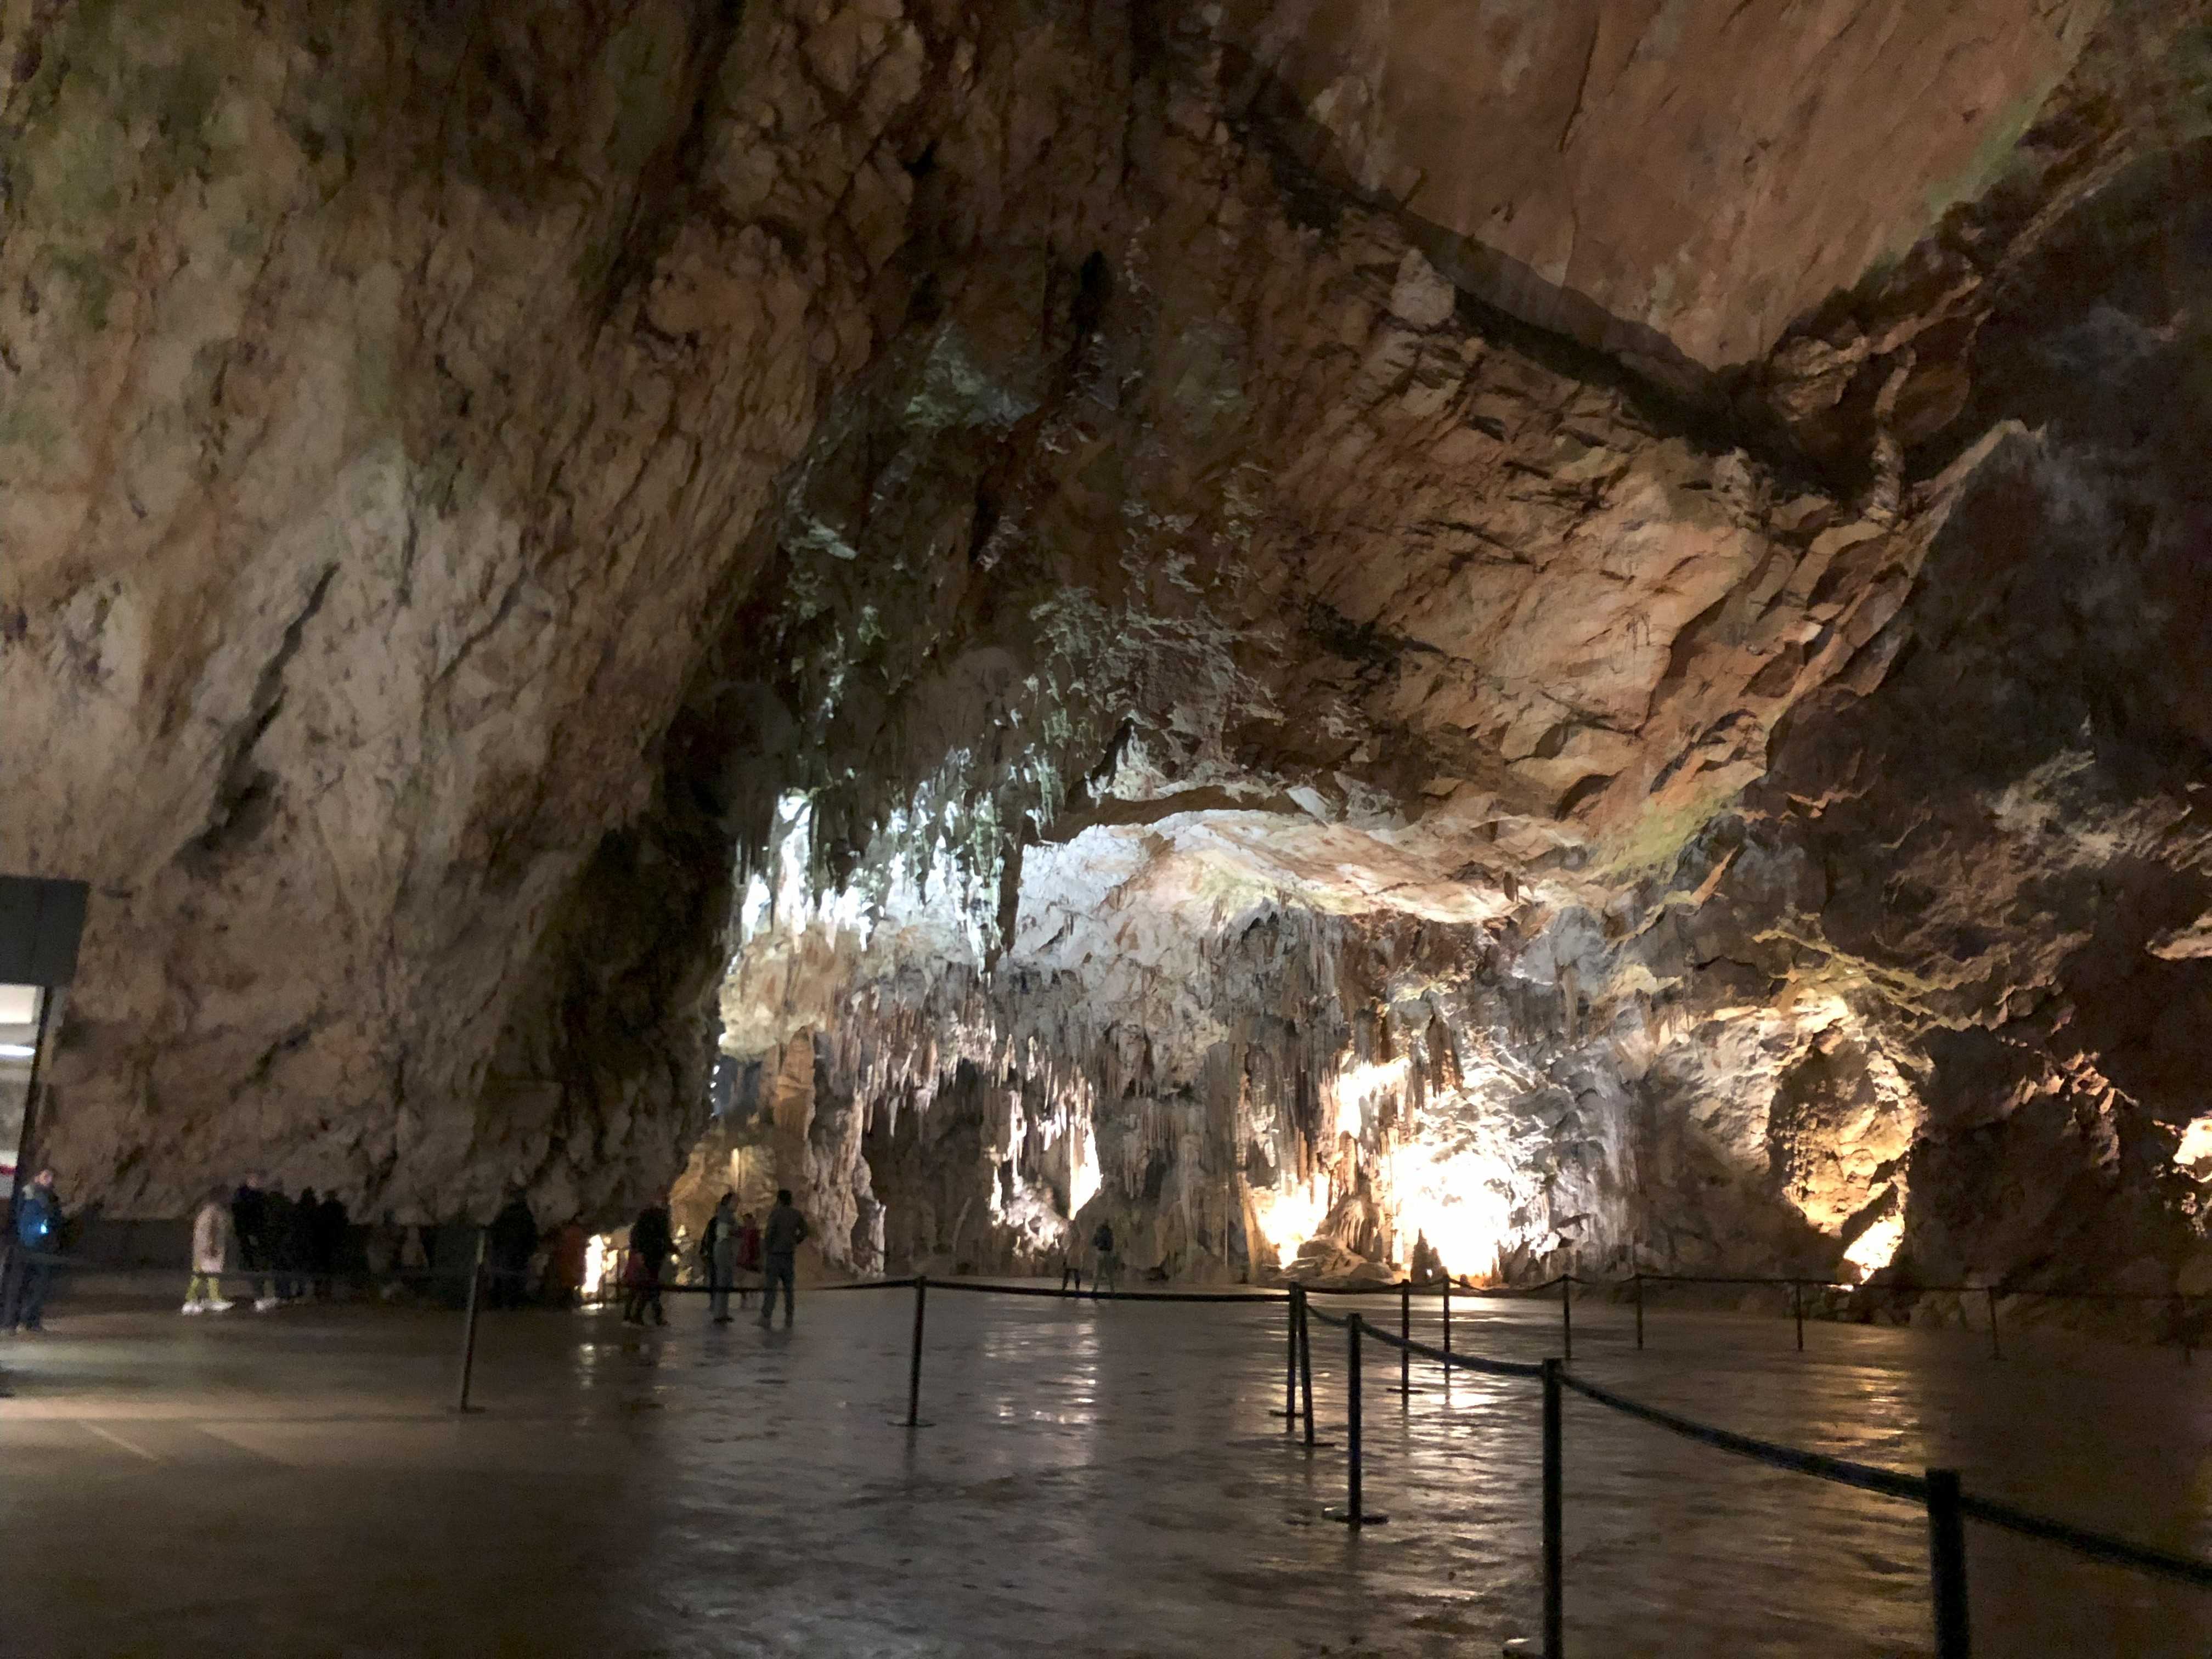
210 1244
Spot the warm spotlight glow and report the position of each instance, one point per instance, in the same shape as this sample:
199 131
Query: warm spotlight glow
1287 1217
595 1265
1084 1179
1458 1201
1875 1249
2196 1142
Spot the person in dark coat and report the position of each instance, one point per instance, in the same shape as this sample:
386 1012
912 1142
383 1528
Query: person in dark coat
785 1231
332 1228
651 1239
514 1240
1106 1271
38 1241
749 1252
249 1224
565 1263
300 1223
276 1236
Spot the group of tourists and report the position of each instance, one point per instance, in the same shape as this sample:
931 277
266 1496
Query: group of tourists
1106 1264
732 1249
289 1248
292 1249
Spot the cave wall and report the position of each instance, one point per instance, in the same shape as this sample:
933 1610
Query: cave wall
1152 611
391 400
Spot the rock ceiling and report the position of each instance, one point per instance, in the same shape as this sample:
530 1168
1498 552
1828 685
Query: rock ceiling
1522 633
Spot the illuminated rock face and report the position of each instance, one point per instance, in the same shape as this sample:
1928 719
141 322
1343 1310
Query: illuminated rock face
1676 180
994 544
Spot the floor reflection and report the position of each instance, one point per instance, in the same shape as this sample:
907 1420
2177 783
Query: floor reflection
1101 1478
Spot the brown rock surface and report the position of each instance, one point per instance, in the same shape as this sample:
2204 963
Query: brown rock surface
970 530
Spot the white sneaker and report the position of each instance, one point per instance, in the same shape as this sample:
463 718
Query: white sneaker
263 1303
193 1307
220 1307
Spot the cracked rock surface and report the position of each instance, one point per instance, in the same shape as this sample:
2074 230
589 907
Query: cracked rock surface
1415 634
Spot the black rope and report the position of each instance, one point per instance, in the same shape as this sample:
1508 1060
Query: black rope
1465 1362
1257 1299
1865 1476
2095 1545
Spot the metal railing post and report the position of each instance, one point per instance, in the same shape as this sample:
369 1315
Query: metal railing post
913 1419
1567 1317
469 1330
1797 1311
1305 1372
1405 1335
1554 1506
1639 1313
1996 1349
1447 1369
1405 1389
1352 1514
1947 1565
1290 1412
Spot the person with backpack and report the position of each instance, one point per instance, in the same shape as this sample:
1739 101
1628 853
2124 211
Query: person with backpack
211 1232
651 1239
1106 1273
785 1231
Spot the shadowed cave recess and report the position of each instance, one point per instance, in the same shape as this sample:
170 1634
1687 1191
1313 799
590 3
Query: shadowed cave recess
1437 635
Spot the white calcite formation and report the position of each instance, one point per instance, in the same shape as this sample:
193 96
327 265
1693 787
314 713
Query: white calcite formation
1432 637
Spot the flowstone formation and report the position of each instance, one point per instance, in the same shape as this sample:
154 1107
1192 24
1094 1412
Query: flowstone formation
1416 636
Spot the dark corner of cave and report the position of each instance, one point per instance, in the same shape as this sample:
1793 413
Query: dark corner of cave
1416 790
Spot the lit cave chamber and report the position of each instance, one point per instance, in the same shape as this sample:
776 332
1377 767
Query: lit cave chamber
1553 654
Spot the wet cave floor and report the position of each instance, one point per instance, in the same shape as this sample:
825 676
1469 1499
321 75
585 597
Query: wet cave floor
1098 1480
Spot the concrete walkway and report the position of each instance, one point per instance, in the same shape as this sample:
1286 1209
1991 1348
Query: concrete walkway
1100 1481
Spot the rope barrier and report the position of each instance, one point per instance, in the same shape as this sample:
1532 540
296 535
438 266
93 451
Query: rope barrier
1865 1476
1250 1298
2097 1546
1462 1362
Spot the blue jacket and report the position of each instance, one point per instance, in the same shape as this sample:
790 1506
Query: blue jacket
37 1219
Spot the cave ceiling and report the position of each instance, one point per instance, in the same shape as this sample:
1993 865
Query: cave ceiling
1510 633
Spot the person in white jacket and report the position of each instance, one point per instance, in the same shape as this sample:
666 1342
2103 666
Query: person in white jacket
211 1246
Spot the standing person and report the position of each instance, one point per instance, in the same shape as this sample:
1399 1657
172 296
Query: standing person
300 1223
276 1232
720 1250
513 1239
1070 1270
414 1256
1108 1270
749 1252
333 1230
211 1232
650 1241
565 1263
249 1225
785 1231
38 1237
381 1255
